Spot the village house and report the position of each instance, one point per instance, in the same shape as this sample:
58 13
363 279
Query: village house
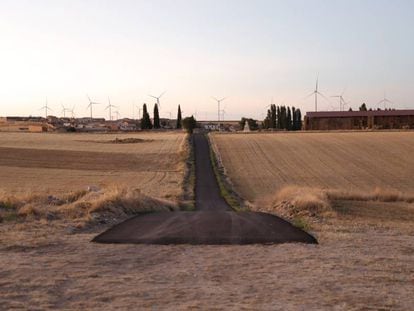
359 120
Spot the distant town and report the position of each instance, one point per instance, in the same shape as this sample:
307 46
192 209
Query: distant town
321 120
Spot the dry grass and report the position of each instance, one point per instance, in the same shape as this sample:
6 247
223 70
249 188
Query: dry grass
83 207
295 201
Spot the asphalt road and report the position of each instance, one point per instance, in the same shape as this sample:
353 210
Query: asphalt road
207 193
213 222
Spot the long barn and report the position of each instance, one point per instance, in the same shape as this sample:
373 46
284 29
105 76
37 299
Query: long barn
359 120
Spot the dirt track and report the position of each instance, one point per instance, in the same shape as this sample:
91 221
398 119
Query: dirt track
213 223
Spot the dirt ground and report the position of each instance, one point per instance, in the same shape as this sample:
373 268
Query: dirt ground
357 266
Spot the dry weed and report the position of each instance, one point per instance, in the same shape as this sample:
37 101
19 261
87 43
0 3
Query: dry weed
87 206
295 201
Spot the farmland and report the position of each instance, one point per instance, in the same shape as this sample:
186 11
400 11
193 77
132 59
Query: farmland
364 259
60 163
262 164
353 191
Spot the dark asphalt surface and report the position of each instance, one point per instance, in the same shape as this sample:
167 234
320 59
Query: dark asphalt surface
213 222
207 193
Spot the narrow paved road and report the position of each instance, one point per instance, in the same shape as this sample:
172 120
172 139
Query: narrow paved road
207 192
213 222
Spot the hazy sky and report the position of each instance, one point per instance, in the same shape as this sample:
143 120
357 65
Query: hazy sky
249 51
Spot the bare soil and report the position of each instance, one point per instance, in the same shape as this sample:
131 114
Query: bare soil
357 266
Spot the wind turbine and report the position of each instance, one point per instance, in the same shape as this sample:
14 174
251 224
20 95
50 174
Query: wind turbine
316 93
46 108
218 108
64 109
110 108
91 103
342 102
73 111
139 111
384 101
158 99
223 112
117 114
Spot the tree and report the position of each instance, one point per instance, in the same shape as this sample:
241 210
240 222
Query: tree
189 124
179 125
156 117
145 120
252 123
294 115
279 118
298 120
266 122
289 119
273 116
363 107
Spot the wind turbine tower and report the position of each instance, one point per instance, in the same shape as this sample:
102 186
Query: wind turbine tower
342 101
110 108
64 109
384 101
46 108
218 108
316 93
90 106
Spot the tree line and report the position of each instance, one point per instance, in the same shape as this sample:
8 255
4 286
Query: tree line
147 124
283 118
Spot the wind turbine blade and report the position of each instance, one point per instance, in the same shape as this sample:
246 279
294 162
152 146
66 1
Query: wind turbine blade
153 96
162 94
323 96
389 101
215 99
307 96
343 92
88 97
223 98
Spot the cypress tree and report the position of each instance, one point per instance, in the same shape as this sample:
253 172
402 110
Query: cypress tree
289 119
273 116
156 117
294 118
282 117
266 122
179 117
299 120
279 118
145 121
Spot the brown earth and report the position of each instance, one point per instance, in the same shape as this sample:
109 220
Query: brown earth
363 262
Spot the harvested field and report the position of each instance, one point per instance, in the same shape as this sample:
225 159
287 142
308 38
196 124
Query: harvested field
60 163
354 192
259 164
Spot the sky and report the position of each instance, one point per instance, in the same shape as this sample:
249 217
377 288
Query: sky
251 52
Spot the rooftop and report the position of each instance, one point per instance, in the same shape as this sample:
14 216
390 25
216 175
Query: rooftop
374 113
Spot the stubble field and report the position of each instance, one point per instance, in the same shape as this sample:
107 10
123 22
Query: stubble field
60 163
261 164
353 191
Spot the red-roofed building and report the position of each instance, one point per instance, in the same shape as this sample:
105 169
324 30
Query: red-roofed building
358 120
